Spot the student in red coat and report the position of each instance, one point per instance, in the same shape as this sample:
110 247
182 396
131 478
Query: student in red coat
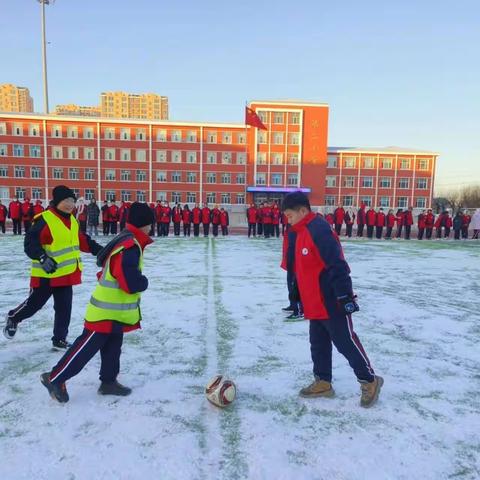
158 217
379 223
390 223
177 219
361 220
338 218
429 223
224 222
371 220
15 213
215 217
38 208
252 220
27 214
276 214
466 223
113 217
196 219
267 220
422 218
349 219
165 218
400 220
408 222
105 218
206 219
330 220
186 219
3 216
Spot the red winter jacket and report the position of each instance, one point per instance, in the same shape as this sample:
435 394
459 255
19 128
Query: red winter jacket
205 215
196 215
390 220
339 216
422 220
14 210
329 218
113 213
224 219
276 214
380 220
37 208
284 219
429 220
408 218
165 215
448 221
466 220
267 215
252 215
105 213
82 213
371 217
186 216
400 219
27 212
158 212
215 216
361 216
177 215
3 213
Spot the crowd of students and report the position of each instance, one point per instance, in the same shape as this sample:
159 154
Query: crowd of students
265 220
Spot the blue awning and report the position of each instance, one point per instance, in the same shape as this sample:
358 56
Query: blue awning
279 189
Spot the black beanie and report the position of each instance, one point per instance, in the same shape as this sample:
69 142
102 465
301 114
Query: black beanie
140 215
61 192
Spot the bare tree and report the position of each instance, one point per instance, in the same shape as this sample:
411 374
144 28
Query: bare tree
456 199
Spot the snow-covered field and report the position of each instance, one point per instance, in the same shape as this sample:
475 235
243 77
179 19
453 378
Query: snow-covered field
214 306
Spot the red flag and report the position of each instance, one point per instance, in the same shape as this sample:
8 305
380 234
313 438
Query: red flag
251 118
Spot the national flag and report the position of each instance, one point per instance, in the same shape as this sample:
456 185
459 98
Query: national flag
251 118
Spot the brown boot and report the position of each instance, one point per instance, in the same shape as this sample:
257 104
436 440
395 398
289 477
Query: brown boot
370 391
319 388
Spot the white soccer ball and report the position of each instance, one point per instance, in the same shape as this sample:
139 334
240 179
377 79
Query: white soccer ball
220 391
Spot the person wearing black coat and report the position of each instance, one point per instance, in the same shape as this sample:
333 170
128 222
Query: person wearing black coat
93 214
457 225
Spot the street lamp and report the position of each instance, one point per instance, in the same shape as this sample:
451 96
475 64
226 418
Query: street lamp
44 54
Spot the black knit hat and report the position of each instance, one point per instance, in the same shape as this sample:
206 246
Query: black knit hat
140 215
61 192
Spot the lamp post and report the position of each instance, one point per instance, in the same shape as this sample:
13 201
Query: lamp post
44 55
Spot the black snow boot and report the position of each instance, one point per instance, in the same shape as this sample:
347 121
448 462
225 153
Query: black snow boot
60 344
114 388
57 392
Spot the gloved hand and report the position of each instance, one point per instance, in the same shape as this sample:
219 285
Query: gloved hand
348 304
48 264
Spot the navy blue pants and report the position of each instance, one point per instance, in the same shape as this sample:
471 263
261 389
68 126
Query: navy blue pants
83 350
38 297
339 332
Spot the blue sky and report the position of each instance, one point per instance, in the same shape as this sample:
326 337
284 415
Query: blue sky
403 73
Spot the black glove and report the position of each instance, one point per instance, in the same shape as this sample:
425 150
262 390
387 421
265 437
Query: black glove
48 264
294 295
348 304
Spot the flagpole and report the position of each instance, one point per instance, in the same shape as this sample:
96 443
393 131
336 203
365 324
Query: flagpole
246 155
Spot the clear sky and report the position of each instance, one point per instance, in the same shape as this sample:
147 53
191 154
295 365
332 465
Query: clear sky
399 72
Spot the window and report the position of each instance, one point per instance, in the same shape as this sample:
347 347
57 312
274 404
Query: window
110 133
141 197
72 153
423 164
191 177
385 182
367 200
72 132
349 181
294 138
110 154
191 157
278 118
161 135
211 137
421 202
240 199
226 178
402 202
110 175
57 152
176 177
241 138
176 156
292 179
89 194
367 182
124 134
58 173
34 130
3 128
56 131
277 158
73 173
176 136
161 176
161 156
17 129
110 196
241 158
368 162
227 158
3 150
125 175
330 181
422 183
331 161
19 172
278 138
404 164
261 137
89 174
227 137
261 178
349 162
88 153
87 133
386 163
36 193
162 196
211 197
277 179
295 118
262 116
225 198
212 157
141 155
348 201
330 200
293 158
211 177
140 134
18 150
35 172
141 175
261 158
240 178
176 197
403 183
35 151
192 136
191 197
20 193
125 155
385 202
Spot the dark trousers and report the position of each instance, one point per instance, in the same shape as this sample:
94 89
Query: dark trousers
196 229
428 232
275 230
439 232
215 229
2 226
38 297
106 227
165 229
206 229
224 230
17 226
283 228
186 229
420 233
151 233
349 227
447 232
252 229
123 223
370 231
84 348
113 228
176 229
266 230
159 229
360 230
464 232
389 233
408 229
259 229
378 232
338 331
294 304
26 225
338 228
456 234
399 231
83 226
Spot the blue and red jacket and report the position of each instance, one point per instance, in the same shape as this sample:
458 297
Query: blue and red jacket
321 271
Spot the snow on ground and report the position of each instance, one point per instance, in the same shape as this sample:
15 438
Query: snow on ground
214 306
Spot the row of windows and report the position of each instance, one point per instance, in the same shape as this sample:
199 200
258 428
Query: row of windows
384 201
276 179
278 138
278 118
125 133
277 158
384 162
369 182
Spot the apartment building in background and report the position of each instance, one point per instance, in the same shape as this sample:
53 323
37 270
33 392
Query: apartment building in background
130 105
78 110
15 99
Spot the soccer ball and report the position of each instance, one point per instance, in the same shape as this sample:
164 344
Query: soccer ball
220 391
